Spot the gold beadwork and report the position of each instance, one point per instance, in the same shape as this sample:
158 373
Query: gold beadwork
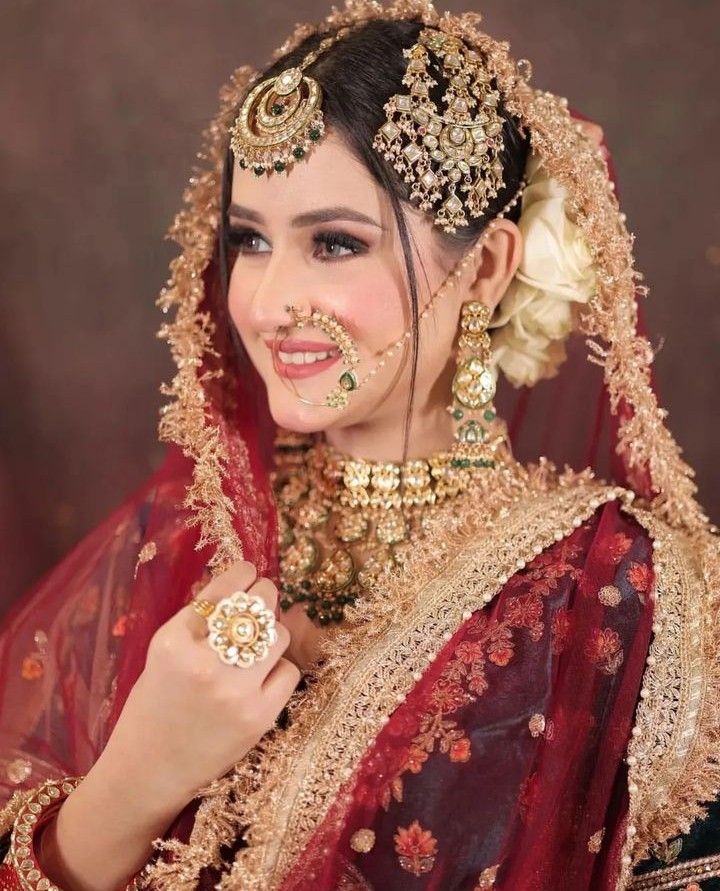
457 150
280 119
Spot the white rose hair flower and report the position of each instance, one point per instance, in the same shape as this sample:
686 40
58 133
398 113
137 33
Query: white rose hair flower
556 274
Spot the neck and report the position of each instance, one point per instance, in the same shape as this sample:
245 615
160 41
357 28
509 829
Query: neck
431 430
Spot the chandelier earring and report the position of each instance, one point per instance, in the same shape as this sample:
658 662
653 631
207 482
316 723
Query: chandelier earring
473 389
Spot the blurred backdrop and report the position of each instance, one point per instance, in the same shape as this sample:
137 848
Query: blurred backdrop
102 105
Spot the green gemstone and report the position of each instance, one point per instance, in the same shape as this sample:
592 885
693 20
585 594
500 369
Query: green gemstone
285 603
458 414
348 381
314 135
305 584
299 152
279 166
324 619
259 171
312 612
489 414
277 108
243 163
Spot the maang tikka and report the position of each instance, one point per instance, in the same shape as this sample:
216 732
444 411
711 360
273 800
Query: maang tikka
280 119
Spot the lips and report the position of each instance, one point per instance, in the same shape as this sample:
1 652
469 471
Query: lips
294 358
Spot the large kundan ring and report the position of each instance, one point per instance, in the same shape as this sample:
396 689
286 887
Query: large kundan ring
241 629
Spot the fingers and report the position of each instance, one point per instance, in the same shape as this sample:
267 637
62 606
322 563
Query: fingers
280 683
239 577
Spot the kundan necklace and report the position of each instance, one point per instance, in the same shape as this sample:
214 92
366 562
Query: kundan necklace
343 521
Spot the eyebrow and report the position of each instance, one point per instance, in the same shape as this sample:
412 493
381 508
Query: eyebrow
311 218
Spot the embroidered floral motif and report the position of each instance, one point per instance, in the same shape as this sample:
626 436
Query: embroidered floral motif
669 851
487 878
595 841
18 770
416 848
460 750
605 649
147 553
32 668
617 546
560 627
120 626
609 595
487 641
640 577
537 725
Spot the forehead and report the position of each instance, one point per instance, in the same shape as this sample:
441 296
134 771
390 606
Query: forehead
330 175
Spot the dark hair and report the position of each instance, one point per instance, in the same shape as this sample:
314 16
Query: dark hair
358 75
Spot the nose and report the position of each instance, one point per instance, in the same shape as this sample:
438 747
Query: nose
279 288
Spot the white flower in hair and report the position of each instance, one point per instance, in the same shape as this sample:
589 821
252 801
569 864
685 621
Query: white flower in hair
556 274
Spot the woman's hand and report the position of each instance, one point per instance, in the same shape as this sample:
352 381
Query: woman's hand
187 720
190 717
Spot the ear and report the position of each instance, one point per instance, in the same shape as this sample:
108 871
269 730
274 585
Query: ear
495 265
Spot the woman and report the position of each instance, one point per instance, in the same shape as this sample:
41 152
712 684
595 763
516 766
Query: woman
405 659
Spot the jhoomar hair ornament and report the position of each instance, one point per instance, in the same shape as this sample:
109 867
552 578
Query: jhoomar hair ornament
459 148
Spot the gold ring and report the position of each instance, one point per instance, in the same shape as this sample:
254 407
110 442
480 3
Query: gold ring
202 607
242 629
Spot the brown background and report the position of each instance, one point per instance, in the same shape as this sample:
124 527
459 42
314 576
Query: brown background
101 106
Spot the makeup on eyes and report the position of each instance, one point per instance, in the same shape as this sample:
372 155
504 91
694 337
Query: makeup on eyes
241 237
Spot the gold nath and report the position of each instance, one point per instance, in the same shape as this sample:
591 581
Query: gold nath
280 119
458 149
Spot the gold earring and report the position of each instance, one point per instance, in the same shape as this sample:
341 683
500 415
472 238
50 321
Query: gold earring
473 388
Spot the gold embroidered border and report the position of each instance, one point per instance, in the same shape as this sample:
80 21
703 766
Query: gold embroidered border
679 875
297 789
673 752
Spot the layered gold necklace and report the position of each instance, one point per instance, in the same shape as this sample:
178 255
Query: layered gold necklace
343 521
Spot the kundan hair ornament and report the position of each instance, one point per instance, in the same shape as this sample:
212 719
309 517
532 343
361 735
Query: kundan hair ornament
280 119
454 150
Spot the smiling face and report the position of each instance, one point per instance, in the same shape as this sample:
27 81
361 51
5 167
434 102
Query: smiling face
323 237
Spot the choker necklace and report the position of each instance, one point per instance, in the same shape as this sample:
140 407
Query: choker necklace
343 521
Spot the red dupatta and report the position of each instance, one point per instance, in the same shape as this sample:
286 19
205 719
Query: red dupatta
71 651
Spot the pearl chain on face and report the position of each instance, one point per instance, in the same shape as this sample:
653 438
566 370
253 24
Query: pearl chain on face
456 274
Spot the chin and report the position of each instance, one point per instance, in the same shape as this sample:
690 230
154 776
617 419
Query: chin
289 413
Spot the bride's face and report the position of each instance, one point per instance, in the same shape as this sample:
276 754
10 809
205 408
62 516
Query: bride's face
323 237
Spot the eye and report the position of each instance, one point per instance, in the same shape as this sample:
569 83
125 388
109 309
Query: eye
246 241
337 246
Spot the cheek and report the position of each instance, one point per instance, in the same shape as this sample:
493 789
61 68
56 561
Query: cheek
373 309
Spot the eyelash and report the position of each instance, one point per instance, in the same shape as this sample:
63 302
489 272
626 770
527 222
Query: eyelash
238 237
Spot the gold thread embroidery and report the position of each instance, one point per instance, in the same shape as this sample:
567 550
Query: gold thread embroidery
595 841
678 876
322 750
672 754
147 553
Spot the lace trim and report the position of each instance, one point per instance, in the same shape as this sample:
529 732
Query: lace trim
673 752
